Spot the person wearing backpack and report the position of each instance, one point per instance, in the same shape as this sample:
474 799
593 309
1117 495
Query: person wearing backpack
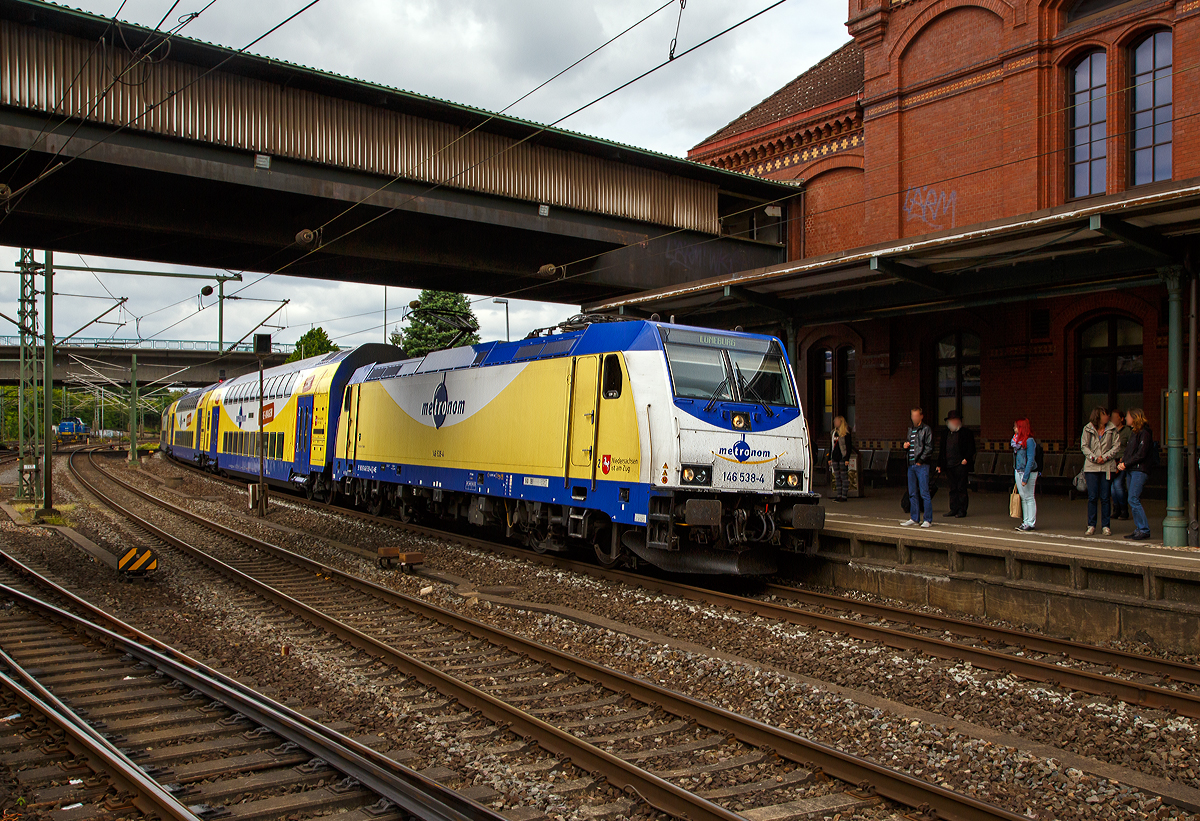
839 458
1025 472
1139 457
1099 443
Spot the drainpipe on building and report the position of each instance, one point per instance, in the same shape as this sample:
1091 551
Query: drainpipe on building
1193 526
1175 526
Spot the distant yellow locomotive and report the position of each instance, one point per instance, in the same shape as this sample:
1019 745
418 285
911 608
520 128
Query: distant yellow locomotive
682 447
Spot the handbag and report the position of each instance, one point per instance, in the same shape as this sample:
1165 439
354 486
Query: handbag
1014 504
1080 481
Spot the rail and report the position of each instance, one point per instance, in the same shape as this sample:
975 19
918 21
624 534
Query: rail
855 770
405 788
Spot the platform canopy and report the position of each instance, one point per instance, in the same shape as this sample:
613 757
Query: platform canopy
1108 242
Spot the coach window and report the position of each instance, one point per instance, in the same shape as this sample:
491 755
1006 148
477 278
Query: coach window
612 377
1111 363
1088 123
1150 95
958 377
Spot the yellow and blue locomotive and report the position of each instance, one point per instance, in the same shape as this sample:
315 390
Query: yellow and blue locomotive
682 447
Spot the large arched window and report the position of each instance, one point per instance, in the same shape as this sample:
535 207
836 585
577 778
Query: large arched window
1111 361
958 371
1150 95
1088 123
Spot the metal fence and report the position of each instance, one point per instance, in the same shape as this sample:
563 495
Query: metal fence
154 344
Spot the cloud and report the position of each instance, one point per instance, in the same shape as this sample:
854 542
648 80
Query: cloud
482 53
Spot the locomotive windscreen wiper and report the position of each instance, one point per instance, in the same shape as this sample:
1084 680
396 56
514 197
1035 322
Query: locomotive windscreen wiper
745 389
712 400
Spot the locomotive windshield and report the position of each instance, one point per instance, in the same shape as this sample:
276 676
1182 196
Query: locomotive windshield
732 368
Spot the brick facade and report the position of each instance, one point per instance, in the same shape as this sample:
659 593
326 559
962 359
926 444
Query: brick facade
957 114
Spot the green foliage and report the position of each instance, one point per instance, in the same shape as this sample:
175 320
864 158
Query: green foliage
111 412
425 334
314 342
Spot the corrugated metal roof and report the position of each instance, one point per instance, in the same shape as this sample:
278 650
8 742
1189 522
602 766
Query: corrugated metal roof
838 76
59 17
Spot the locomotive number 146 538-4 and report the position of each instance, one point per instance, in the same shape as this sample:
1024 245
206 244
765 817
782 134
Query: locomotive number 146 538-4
744 478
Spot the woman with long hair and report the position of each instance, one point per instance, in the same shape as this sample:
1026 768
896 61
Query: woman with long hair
839 459
1025 472
1099 443
1135 465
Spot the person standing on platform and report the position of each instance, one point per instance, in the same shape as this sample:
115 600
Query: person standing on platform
1120 482
1139 458
1100 444
1025 470
956 457
919 444
839 459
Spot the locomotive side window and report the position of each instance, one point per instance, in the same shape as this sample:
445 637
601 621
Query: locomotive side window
612 376
346 400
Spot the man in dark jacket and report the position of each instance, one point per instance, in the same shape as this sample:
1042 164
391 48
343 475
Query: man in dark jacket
956 457
919 444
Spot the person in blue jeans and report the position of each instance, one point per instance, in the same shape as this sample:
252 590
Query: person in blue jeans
1135 466
1025 472
919 444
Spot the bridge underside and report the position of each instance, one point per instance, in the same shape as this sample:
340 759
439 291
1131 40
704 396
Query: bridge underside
139 196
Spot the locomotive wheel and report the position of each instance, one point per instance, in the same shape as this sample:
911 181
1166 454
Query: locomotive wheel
377 505
308 490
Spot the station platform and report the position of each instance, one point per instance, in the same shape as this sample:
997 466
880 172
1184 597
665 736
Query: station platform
1056 579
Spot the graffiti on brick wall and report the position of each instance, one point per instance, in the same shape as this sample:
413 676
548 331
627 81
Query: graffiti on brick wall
935 207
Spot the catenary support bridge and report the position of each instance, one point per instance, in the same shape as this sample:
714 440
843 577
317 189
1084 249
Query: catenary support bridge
205 156
179 363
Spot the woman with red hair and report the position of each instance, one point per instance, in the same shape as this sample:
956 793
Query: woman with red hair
1025 468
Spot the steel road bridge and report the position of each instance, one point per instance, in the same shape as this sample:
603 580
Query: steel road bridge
207 156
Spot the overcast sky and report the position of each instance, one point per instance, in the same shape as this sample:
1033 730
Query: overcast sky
485 53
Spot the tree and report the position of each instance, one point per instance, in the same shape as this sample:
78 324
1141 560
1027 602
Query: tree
425 333
314 342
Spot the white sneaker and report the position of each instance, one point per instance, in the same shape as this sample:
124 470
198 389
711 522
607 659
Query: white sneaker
907 523
1090 531
926 524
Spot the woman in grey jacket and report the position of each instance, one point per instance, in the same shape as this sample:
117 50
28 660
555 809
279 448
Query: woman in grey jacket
1101 447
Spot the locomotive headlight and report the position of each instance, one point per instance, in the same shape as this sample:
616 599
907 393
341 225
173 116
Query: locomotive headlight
688 474
788 479
696 475
741 421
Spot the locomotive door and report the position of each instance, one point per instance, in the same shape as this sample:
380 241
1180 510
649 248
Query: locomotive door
583 414
304 420
213 427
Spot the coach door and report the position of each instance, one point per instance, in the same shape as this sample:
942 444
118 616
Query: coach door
350 415
214 427
583 415
304 422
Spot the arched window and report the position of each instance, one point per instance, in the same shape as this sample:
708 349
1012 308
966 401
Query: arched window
1110 353
1150 148
1088 122
958 372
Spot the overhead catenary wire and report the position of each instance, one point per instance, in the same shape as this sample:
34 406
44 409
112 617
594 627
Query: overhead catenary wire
536 132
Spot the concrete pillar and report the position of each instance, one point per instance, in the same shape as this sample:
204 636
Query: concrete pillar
1175 526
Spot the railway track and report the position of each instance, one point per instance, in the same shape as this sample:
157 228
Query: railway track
1131 677
637 735
166 736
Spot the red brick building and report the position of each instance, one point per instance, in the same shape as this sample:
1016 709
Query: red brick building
979 178
943 114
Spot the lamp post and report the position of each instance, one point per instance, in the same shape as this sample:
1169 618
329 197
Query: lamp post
504 302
